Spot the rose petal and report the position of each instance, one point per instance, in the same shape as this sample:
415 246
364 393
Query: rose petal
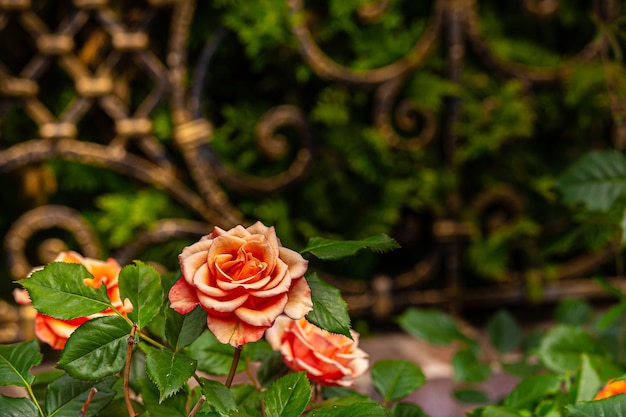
233 331
279 284
192 258
222 305
183 297
274 334
263 314
299 303
296 263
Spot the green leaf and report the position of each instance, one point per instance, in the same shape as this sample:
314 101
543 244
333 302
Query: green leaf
431 325
213 357
530 391
18 407
289 396
169 370
72 298
327 249
174 406
330 311
96 349
394 379
610 407
493 411
366 409
248 398
471 396
66 396
468 368
597 179
407 410
611 315
589 382
141 284
504 332
182 329
573 311
272 368
561 348
16 361
218 395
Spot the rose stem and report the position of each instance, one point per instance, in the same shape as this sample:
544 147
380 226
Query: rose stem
233 366
129 354
83 410
196 407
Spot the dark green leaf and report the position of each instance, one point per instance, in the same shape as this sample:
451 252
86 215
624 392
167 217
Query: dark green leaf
431 325
169 370
327 249
272 368
407 410
66 396
394 379
589 382
16 361
493 411
174 406
330 311
213 357
288 397
610 407
72 298
471 396
141 284
468 368
504 332
248 398
218 396
530 391
182 329
573 311
96 349
611 315
118 408
597 179
562 346
18 407
367 409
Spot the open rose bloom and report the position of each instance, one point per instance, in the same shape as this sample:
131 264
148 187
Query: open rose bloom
55 332
612 388
328 359
244 279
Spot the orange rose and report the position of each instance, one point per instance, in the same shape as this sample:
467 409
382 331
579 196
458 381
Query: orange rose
327 358
244 279
55 332
612 388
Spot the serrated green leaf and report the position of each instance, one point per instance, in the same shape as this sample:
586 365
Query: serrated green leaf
18 407
330 311
610 407
471 396
169 370
327 249
407 410
289 396
367 409
66 396
431 325
504 332
561 348
597 179
589 382
529 391
72 298
213 357
141 284
218 396
15 363
96 349
467 367
182 329
394 379
174 406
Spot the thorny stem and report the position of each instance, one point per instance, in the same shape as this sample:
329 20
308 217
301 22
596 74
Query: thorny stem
83 410
196 407
233 366
129 354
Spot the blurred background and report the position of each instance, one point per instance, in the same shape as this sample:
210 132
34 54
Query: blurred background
131 128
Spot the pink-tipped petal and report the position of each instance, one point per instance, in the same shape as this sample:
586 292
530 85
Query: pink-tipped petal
183 297
299 303
233 331
296 263
265 314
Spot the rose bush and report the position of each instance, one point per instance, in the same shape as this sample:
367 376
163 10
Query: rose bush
55 332
328 359
244 279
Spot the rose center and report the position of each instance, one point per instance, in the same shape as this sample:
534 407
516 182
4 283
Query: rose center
244 267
